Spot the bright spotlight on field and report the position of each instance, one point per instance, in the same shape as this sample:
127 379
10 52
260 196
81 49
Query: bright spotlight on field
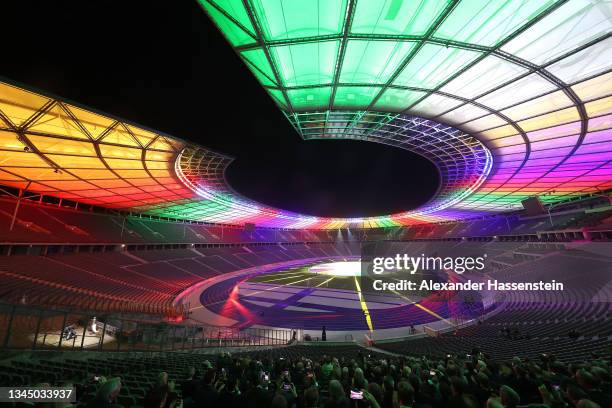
348 268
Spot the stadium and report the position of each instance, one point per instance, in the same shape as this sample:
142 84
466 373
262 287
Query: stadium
134 272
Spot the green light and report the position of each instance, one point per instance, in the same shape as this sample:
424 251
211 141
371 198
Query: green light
372 62
258 64
395 17
235 8
283 20
353 96
395 100
278 97
306 64
310 97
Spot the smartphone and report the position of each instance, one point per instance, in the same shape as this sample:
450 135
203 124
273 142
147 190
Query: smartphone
287 387
356 395
432 372
266 377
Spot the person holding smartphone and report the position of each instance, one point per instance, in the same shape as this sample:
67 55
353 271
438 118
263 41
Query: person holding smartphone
287 388
363 398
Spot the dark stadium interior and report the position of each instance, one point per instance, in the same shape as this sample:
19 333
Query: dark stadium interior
195 197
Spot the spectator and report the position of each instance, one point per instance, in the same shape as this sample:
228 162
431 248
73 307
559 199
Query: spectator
278 402
206 392
405 395
509 397
458 388
189 386
258 395
454 381
311 398
107 394
157 397
590 384
359 381
229 396
389 396
337 396
376 391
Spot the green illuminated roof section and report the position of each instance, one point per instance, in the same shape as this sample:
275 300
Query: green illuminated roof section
354 96
309 98
393 98
259 65
307 63
283 20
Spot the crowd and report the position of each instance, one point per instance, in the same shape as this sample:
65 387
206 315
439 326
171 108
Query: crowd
468 381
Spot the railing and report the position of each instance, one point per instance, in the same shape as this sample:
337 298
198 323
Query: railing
36 328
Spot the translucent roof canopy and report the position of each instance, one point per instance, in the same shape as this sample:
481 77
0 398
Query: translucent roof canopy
531 79
509 99
56 148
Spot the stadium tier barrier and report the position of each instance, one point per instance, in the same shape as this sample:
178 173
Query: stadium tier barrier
33 328
52 228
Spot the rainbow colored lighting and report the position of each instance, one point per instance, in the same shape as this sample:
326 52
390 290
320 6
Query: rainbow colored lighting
530 79
509 99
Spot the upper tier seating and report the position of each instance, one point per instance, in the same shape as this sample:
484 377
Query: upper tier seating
45 223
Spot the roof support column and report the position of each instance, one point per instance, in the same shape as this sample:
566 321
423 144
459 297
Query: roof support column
21 191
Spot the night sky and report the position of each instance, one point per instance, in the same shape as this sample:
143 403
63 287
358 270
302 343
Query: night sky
164 65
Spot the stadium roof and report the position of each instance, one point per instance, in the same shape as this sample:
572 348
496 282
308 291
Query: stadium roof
509 99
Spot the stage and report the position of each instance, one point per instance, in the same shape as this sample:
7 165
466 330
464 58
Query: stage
92 340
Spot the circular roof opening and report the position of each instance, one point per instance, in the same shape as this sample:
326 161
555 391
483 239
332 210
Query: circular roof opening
335 178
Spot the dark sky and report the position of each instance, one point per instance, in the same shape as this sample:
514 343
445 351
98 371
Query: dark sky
165 66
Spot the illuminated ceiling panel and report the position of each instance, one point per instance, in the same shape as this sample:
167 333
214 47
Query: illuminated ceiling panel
509 99
53 147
